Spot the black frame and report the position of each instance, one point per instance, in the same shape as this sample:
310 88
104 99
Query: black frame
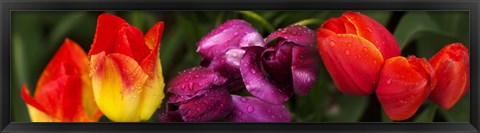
7 6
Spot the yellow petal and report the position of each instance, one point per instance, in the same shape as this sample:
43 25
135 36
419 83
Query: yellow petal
152 94
118 82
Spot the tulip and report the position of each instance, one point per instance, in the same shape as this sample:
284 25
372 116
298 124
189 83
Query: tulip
353 48
404 85
451 65
288 66
126 72
64 90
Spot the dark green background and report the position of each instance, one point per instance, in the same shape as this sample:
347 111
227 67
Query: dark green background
37 35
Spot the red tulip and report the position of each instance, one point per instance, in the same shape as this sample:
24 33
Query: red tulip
451 65
353 48
126 71
64 91
404 85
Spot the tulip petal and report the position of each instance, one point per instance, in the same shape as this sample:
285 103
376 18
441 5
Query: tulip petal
195 81
152 94
277 62
118 82
300 35
228 63
375 32
452 66
402 88
304 67
251 109
107 26
234 33
211 106
256 81
154 35
353 62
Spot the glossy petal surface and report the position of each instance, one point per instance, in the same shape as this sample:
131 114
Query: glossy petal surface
452 72
231 34
404 85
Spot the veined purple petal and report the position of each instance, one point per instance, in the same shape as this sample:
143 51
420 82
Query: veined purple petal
305 61
277 61
251 109
300 35
228 63
256 80
211 106
195 81
231 34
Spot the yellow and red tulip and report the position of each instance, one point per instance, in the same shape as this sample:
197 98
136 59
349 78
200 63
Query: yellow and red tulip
126 71
404 85
354 48
452 68
64 91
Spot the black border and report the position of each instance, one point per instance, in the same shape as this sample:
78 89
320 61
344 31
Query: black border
7 6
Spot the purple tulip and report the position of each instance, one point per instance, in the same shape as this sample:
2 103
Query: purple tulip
288 66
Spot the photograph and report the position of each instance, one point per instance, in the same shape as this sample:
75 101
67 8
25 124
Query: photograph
285 66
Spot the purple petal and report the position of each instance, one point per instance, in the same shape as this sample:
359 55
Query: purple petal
228 63
195 81
304 68
300 35
277 61
251 109
213 105
231 34
255 79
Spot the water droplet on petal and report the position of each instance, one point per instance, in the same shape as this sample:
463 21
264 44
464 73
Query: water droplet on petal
389 81
250 108
347 52
332 43
244 99
349 44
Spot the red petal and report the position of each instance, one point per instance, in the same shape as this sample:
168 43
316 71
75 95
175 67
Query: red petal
352 61
375 33
403 87
70 59
452 72
152 39
107 26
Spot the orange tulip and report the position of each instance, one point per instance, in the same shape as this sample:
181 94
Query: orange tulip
126 71
452 68
64 90
404 85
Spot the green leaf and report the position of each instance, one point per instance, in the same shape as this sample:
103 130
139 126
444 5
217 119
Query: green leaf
347 108
65 25
427 114
415 24
258 18
310 21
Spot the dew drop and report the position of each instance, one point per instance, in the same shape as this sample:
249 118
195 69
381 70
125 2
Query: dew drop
347 52
389 81
349 44
332 43
364 49
244 99
250 108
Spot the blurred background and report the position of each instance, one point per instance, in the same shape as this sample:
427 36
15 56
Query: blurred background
36 36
